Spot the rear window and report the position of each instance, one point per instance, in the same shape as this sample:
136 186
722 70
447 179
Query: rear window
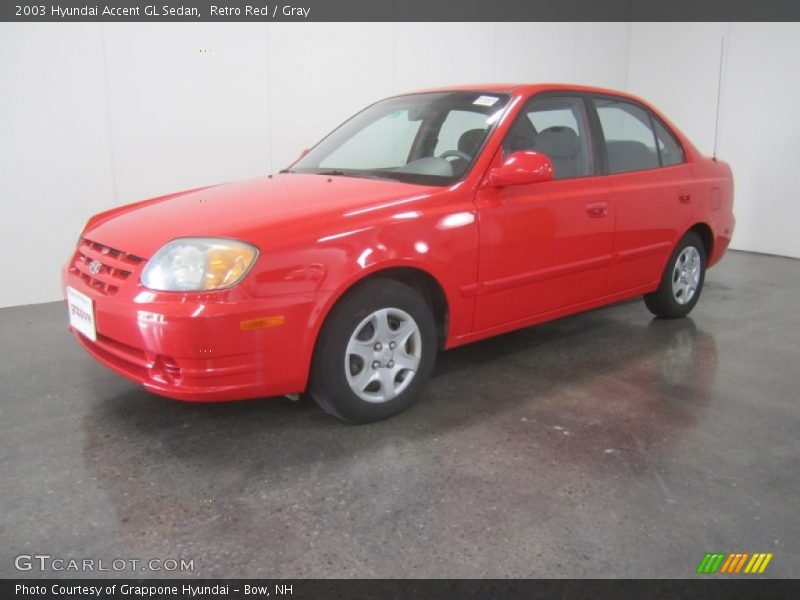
629 136
668 146
634 138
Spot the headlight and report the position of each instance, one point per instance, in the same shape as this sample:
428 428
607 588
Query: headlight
197 264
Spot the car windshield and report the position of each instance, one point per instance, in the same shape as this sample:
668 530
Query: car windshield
430 138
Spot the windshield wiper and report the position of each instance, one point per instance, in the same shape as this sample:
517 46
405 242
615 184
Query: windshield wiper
342 173
331 172
383 175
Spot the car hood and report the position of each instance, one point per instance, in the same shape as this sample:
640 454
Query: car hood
249 210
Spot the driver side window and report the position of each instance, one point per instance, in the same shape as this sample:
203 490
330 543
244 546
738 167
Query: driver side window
557 127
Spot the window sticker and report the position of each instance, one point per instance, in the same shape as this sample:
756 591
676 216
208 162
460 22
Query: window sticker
486 100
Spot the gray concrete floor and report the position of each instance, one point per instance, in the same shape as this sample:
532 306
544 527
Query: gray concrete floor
604 444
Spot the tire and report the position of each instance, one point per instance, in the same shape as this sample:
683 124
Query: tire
682 280
385 323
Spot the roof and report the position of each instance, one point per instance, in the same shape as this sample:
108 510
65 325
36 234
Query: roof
525 88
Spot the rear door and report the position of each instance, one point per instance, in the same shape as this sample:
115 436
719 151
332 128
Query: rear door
653 191
545 246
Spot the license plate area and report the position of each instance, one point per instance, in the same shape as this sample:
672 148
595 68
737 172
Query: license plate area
81 313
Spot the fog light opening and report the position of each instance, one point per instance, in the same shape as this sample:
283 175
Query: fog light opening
165 369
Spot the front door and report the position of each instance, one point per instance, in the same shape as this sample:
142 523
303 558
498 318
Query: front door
545 246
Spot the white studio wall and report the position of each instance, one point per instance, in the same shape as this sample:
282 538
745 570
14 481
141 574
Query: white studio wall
677 67
55 151
96 115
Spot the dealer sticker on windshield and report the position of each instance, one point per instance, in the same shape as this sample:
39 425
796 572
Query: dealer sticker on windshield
81 313
486 100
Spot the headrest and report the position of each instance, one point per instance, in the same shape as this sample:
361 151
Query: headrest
470 141
558 142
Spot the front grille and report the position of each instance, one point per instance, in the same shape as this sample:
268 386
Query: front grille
115 266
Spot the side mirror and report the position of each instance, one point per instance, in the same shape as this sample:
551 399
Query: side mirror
523 168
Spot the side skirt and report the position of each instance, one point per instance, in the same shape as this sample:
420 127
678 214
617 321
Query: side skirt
572 309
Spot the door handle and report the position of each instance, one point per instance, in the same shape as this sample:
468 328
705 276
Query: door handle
597 210
684 198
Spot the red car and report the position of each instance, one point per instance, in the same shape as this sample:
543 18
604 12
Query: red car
426 221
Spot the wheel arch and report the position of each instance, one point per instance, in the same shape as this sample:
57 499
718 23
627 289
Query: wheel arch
413 275
424 282
706 234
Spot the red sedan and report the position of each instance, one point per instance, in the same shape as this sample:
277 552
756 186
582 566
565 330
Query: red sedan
426 221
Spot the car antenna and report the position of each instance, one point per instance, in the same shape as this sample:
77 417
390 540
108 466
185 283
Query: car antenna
719 94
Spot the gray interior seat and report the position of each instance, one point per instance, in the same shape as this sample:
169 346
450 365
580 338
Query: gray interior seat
470 141
563 147
628 155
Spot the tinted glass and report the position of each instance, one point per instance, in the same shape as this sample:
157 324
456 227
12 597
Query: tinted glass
668 146
557 127
629 138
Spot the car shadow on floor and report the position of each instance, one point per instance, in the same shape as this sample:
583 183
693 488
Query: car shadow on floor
610 365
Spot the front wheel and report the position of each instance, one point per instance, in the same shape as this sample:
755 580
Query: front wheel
682 280
375 353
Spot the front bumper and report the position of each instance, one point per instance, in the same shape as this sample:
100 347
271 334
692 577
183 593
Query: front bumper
201 347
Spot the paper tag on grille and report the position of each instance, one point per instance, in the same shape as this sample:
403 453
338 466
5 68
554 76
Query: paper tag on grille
81 313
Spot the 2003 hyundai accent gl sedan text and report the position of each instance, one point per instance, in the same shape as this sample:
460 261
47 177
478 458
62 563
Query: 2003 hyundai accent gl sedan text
426 221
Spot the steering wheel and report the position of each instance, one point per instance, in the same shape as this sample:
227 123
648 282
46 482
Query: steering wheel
456 154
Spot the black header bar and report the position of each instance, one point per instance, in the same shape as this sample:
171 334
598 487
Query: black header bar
398 10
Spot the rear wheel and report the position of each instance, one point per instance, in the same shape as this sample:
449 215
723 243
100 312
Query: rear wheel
682 280
375 353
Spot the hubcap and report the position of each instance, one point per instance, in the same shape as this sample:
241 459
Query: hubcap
383 355
686 275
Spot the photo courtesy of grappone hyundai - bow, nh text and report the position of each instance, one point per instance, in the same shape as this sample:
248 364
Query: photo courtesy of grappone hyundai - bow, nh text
427 221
